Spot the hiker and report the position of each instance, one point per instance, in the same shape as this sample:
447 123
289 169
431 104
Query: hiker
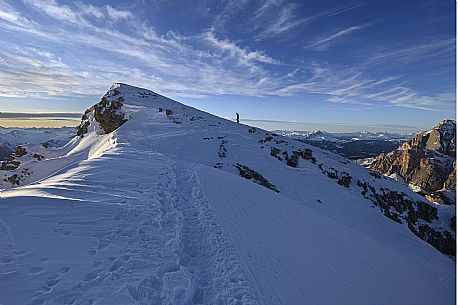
238 117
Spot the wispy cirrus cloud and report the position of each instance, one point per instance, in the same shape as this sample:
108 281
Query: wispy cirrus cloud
81 53
196 64
352 86
324 43
418 51
277 17
339 11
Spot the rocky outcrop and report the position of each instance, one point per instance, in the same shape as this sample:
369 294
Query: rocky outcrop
250 174
107 113
427 161
293 159
11 163
20 151
419 216
441 138
450 183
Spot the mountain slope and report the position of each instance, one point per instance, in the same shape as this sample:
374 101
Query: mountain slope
10 138
426 162
177 206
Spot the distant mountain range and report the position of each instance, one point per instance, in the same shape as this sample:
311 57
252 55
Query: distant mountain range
353 145
10 138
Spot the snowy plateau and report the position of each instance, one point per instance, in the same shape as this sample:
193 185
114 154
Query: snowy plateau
155 202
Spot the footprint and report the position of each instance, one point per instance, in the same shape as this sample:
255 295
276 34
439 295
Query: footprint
37 302
65 233
36 269
115 266
64 269
6 259
53 280
102 245
43 290
92 275
20 253
92 252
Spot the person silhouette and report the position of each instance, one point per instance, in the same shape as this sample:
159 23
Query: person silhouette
238 117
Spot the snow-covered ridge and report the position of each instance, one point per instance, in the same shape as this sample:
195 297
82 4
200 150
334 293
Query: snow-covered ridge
10 138
177 206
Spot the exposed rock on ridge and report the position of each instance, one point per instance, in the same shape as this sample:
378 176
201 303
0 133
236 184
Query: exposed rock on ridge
427 161
108 113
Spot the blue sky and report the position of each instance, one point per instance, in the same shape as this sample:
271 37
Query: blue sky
335 65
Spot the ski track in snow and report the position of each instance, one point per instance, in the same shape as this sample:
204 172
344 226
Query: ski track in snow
169 247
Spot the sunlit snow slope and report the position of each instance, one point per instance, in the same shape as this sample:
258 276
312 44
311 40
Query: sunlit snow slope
178 206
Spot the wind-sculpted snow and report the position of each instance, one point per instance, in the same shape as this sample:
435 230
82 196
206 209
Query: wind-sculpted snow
174 207
10 138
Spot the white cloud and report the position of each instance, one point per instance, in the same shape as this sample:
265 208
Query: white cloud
281 18
350 86
118 14
231 49
324 42
58 12
96 54
90 10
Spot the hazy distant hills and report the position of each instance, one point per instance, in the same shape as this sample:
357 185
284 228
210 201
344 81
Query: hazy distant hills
10 138
354 145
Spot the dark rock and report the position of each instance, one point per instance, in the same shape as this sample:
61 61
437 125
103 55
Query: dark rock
250 174
293 161
275 152
266 139
10 165
13 179
38 156
344 181
82 129
444 242
417 214
450 183
20 151
106 113
222 149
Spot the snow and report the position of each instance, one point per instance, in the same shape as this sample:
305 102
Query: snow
365 161
17 136
10 138
142 216
342 137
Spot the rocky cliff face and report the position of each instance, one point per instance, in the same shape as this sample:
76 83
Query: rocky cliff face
426 162
108 113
